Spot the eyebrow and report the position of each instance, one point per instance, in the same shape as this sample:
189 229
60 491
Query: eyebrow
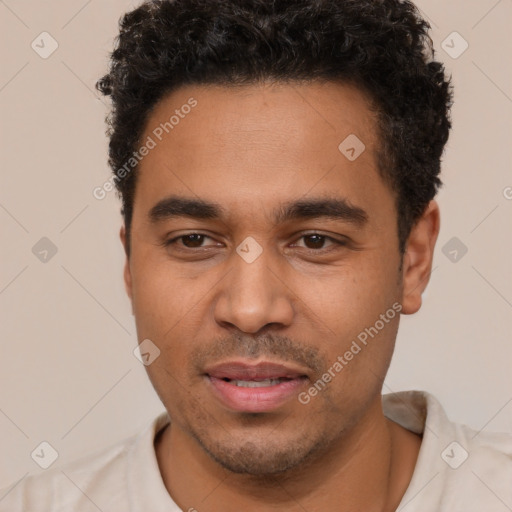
331 208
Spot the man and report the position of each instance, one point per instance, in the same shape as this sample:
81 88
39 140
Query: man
277 163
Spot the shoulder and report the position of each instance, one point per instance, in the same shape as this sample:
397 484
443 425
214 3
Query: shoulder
90 483
476 470
489 462
458 468
67 485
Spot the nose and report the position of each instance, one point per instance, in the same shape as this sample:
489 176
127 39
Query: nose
254 295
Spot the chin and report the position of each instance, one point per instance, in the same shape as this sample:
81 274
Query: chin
264 458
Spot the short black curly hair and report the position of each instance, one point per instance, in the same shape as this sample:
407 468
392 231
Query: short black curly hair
381 46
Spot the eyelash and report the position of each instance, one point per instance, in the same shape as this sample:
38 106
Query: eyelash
338 243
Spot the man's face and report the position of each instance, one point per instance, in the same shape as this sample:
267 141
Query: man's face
223 321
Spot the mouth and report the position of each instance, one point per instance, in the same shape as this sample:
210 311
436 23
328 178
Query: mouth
257 383
261 387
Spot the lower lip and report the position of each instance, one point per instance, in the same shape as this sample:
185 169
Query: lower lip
264 399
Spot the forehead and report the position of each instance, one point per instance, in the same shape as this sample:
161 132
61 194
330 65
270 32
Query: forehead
265 143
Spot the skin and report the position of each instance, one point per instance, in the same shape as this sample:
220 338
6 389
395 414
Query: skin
303 300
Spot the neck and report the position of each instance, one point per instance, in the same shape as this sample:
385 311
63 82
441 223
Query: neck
368 468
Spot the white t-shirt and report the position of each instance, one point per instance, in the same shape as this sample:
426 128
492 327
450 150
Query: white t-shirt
458 470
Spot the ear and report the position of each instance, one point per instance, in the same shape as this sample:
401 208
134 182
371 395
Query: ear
127 272
417 263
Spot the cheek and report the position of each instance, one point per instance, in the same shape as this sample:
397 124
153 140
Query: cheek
348 298
171 310
162 297
358 310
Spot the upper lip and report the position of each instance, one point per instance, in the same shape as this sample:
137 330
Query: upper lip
240 370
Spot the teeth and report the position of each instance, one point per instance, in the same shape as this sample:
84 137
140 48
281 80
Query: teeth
256 383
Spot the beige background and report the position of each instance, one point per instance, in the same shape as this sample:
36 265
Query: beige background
68 375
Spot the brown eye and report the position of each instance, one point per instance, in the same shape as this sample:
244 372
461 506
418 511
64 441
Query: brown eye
193 240
190 241
314 241
319 243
